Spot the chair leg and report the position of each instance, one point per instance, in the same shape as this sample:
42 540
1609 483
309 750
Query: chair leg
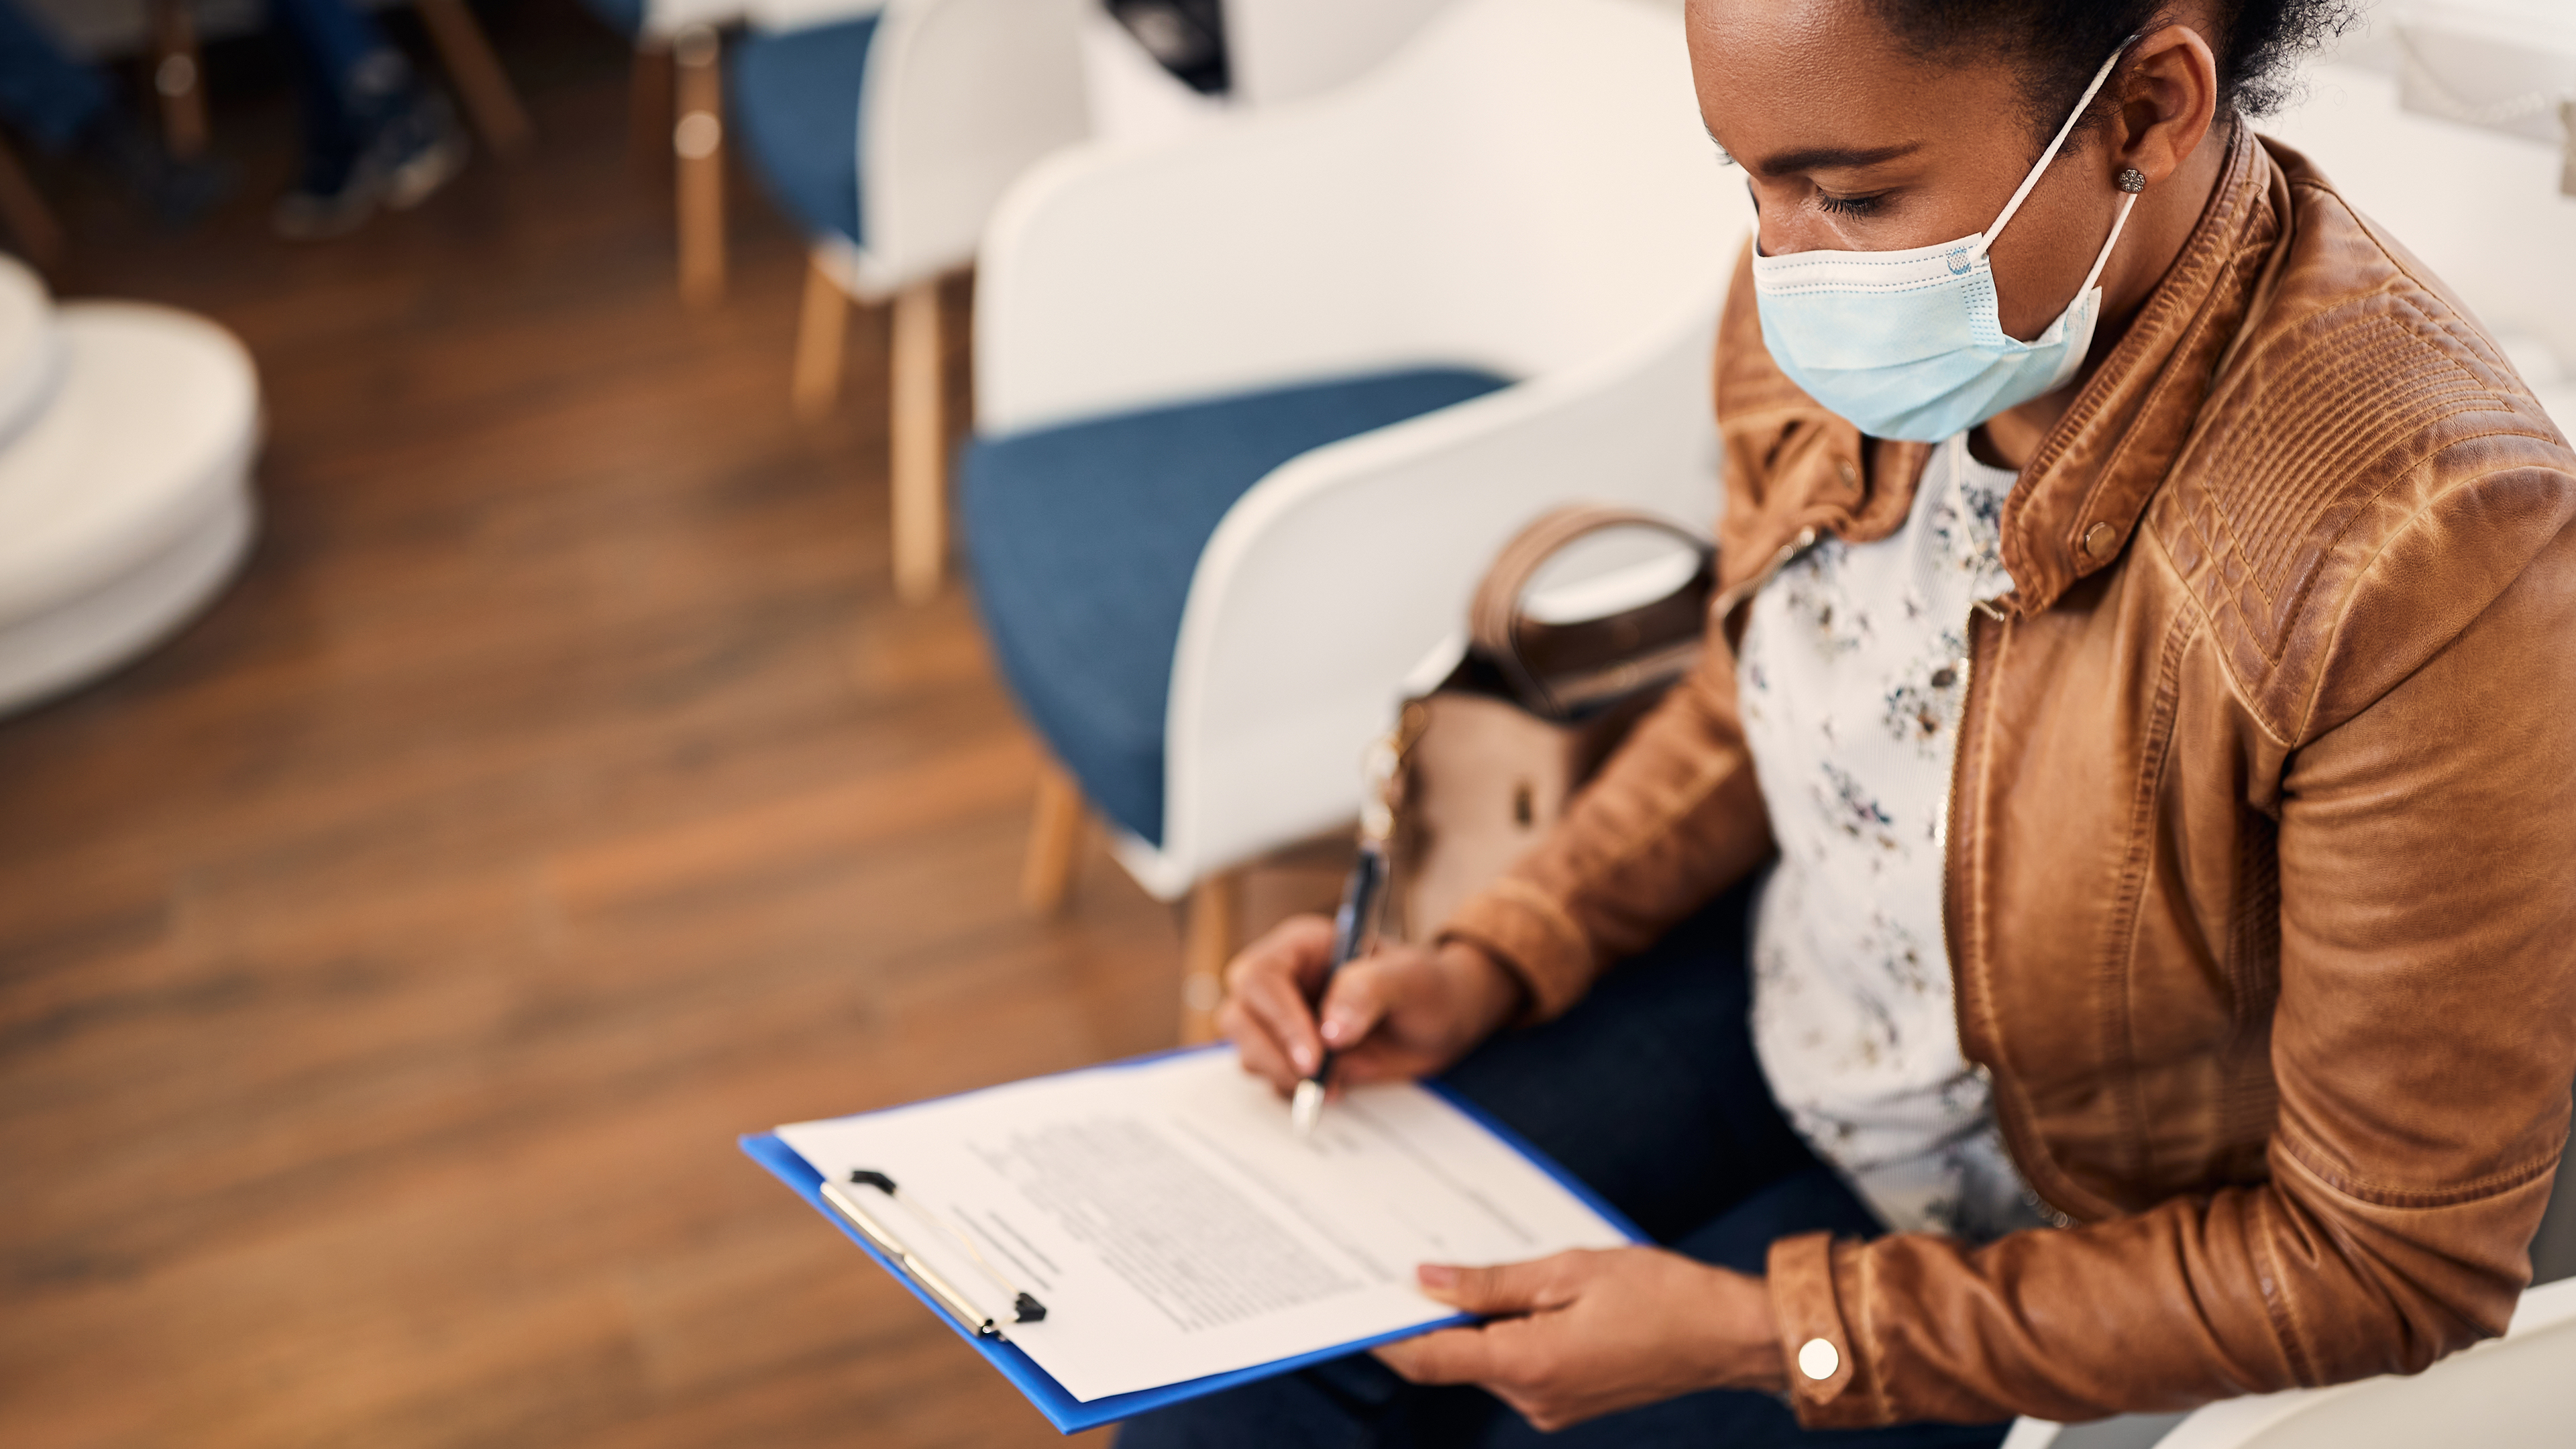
821 333
480 82
178 77
920 505
650 108
1055 842
1209 943
698 143
22 206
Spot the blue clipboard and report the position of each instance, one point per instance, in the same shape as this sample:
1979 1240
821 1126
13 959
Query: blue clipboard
1072 1415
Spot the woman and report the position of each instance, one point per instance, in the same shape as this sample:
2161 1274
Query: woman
373 134
2143 670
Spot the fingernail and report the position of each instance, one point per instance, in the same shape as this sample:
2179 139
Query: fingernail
1307 1058
1435 1275
1333 1029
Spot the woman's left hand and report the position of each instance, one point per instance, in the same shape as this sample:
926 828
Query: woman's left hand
1583 1334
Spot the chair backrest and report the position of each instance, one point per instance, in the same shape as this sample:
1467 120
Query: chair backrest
1276 50
1550 185
663 19
1526 187
961 98
1286 50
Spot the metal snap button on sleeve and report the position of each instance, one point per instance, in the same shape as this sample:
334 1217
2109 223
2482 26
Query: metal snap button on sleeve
2100 539
1818 1360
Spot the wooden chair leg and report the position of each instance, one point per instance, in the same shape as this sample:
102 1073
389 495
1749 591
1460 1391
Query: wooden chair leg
1209 942
650 108
178 77
697 140
920 504
1055 842
821 333
480 82
22 206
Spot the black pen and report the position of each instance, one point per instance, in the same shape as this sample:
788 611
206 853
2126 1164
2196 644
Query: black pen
1350 938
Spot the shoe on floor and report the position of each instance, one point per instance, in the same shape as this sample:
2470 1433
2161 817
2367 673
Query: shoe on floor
417 151
428 148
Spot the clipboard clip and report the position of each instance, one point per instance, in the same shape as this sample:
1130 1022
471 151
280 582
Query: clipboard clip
1024 1307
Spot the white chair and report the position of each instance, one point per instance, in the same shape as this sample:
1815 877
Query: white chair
947 102
126 438
1276 50
1525 190
2514 1392
953 99
679 84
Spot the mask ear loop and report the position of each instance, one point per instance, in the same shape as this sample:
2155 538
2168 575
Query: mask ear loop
2117 222
1987 239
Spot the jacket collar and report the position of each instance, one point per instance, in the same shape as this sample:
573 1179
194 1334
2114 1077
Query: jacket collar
2081 494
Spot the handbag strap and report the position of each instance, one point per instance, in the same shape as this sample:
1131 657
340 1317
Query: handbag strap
1495 618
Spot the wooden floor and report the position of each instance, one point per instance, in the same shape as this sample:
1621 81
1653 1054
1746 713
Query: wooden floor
388 964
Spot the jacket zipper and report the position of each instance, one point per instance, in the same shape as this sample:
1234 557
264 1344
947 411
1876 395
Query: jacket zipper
2047 1211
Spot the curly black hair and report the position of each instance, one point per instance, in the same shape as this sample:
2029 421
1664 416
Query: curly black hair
2056 45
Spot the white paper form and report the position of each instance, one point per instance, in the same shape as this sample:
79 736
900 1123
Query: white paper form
1174 1226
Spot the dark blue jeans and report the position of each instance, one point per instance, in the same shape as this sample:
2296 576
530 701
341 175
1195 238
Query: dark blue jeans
1649 1091
350 78
351 81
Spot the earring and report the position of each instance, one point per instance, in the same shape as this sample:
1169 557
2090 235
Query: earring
2131 180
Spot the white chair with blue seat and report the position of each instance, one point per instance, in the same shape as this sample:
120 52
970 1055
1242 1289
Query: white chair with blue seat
888 132
1255 408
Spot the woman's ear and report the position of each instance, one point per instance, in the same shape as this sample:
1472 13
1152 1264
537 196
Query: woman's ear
2168 101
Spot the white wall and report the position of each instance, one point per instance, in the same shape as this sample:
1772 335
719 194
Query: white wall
2482 207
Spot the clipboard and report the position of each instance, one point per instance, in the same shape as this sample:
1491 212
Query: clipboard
1067 1413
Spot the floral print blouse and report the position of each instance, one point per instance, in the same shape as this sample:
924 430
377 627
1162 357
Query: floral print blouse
1851 672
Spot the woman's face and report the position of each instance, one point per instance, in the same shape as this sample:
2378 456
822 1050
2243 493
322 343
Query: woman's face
1851 144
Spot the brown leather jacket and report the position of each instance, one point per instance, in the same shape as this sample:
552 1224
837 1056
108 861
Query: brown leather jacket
2261 876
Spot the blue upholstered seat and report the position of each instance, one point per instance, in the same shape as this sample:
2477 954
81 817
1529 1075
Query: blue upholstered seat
1083 539
796 112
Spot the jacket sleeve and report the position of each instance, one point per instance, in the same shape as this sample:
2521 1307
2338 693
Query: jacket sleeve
1674 817
2423 1041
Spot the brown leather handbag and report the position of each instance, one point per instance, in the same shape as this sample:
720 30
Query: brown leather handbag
1484 763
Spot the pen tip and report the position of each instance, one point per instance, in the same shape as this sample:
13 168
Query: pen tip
1306 1107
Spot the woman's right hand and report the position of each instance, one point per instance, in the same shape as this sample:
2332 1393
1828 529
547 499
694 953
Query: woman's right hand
1402 1013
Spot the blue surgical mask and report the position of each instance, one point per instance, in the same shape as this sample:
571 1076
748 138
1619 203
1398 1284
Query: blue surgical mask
1908 344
